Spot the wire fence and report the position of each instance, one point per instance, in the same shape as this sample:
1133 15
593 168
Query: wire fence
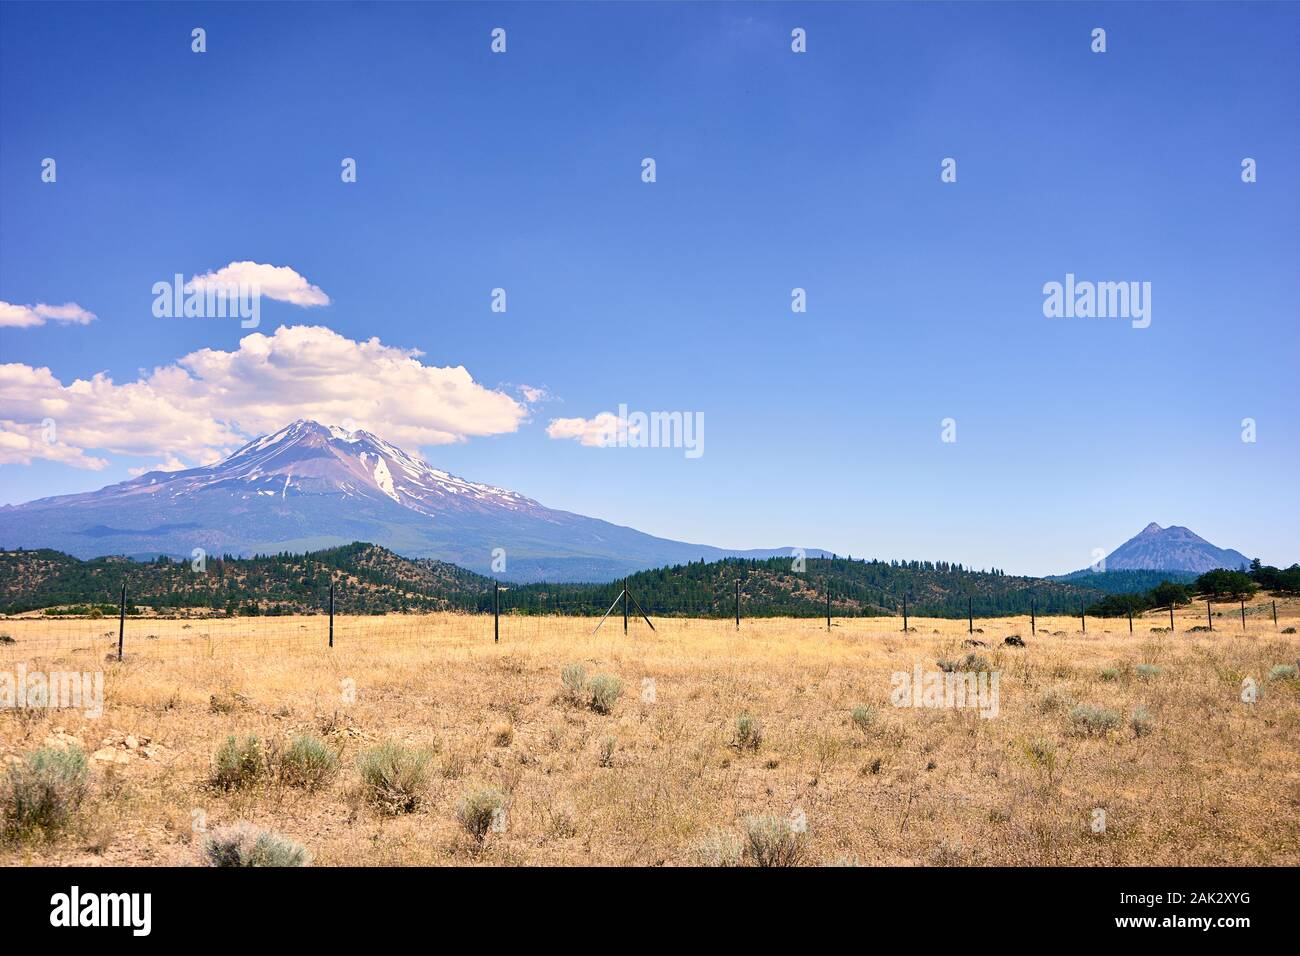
522 615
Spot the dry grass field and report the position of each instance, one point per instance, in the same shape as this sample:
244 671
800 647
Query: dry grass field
1199 777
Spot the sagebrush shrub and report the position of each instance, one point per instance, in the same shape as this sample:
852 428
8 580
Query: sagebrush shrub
748 734
243 844
308 762
1092 721
239 763
772 842
479 809
574 681
394 778
603 692
864 718
1141 722
44 791
1148 671
719 848
1283 672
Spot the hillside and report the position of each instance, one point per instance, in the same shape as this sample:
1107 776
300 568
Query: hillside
368 580
771 588
1123 582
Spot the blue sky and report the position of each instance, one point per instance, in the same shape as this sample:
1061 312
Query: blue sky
775 170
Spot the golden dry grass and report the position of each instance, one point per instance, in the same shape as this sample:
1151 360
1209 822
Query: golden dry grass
1216 781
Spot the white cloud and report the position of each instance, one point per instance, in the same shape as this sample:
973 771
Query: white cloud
28 316
533 394
210 402
597 432
22 443
275 282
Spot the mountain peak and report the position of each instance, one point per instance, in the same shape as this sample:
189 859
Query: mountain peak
1172 549
310 485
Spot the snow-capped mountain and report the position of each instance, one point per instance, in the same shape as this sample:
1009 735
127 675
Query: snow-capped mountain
310 486
307 458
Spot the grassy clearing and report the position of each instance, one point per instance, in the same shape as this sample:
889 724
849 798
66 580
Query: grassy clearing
411 750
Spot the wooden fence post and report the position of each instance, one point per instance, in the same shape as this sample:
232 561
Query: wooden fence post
121 623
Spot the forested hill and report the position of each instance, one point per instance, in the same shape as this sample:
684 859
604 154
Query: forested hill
372 580
368 580
773 588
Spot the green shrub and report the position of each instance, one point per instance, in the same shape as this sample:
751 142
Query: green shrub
603 692
718 848
864 718
1283 672
246 845
607 747
748 734
238 764
574 681
1141 722
44 791
772 842
1109 674
394 778
1148 671
479 809
308 762
1091 721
